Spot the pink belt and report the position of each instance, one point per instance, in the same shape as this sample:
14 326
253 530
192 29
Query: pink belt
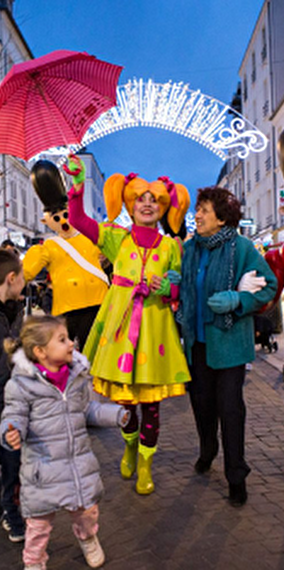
139 293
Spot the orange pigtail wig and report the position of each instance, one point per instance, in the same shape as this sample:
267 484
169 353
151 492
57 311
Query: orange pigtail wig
172 198
119 189
113 195
179 203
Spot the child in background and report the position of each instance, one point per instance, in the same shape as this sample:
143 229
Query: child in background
11 318
47 409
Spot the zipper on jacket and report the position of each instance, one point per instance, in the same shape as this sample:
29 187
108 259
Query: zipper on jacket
70 433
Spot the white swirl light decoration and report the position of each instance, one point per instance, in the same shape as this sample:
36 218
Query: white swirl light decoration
190 222
177 108
242 140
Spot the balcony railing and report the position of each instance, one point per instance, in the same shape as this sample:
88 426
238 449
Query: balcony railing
257 175
265 108
249 186
268 164
269 220
264 53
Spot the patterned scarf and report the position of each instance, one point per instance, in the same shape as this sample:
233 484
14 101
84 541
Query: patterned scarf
219 277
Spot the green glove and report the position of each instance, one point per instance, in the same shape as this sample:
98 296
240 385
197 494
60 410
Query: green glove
165 289
224 302
78 174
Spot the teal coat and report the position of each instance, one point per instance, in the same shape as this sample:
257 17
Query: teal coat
235 346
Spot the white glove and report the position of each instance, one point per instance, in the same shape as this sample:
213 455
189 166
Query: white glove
251 283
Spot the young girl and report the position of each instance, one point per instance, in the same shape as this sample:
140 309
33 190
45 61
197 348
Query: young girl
47 407
134 345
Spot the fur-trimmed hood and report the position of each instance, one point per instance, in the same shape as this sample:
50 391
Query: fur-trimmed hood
22 365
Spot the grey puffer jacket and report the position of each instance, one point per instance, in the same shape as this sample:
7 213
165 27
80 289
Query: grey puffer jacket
58 466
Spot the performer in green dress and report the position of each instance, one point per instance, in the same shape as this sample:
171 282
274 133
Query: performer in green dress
134 346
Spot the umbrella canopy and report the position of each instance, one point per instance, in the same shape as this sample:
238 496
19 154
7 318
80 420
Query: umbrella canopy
52 100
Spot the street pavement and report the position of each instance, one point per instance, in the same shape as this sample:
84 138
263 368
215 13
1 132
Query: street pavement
188 524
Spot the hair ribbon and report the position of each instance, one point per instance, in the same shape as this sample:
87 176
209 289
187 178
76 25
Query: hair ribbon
170 186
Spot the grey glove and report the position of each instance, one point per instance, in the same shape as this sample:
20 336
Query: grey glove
224 302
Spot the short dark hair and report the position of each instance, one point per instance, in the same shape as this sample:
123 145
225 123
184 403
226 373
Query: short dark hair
9 261
7 243
226 206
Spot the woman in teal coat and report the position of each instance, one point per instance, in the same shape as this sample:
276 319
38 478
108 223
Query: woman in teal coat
218 330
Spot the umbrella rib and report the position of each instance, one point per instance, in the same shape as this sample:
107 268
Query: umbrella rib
55 122
72 80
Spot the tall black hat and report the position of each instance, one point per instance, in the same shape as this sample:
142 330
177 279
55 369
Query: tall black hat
49 186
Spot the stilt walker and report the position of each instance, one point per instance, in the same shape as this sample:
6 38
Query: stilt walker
78 283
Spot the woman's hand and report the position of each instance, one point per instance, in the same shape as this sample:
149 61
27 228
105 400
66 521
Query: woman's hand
251 282
13 437
224 302
155 283
160 286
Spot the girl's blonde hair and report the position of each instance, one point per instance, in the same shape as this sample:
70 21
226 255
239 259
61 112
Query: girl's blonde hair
36 331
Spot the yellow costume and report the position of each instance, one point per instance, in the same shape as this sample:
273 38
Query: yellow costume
73 287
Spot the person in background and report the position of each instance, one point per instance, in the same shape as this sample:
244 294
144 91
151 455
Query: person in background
134 346
11 318
47 410
218 328
46 300
9 244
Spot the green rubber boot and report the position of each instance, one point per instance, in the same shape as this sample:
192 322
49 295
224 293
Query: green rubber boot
145 485
129 458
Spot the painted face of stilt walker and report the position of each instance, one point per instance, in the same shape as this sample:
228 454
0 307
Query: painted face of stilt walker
50 187
58 222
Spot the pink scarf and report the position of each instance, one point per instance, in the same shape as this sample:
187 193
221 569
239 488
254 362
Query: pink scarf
58 379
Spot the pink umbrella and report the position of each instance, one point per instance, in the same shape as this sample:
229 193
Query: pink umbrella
52 100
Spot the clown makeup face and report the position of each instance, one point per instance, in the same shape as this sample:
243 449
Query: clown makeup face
59 223
146 211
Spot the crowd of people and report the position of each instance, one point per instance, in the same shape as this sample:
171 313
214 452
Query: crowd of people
175 316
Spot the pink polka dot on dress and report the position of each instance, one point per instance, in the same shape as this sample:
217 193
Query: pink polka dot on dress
125 362
162 350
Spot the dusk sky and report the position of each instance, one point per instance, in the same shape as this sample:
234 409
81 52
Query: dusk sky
199 43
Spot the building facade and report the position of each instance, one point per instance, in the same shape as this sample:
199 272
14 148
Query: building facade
93 194
255 73
256 181
20 209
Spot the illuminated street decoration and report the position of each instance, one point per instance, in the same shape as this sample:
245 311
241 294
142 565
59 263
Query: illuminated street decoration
177 108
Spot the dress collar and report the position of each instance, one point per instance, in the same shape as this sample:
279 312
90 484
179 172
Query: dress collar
145 236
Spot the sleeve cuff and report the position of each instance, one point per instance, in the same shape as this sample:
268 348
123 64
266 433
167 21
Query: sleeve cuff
73 193
123 417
